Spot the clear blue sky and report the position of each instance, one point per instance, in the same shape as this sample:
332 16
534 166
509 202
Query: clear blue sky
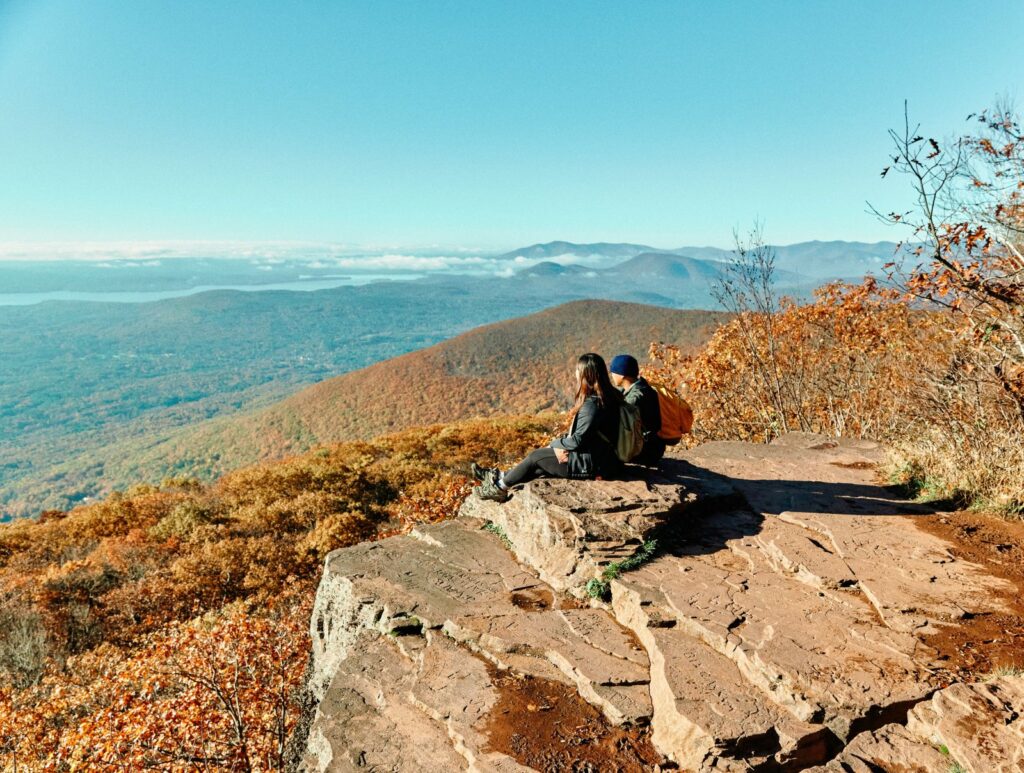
486 124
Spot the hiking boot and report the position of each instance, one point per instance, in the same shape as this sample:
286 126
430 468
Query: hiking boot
483 473
490 489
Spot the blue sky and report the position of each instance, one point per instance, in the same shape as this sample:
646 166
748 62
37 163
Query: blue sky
476 124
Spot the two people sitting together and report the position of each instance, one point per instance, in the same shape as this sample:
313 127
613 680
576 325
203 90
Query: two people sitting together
588 450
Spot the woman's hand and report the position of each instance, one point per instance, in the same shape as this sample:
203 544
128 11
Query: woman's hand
562 455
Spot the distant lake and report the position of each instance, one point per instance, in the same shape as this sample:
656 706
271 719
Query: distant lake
303 285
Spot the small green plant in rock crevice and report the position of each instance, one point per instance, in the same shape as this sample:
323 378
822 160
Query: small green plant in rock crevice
998 671
499 532
954 766
599 588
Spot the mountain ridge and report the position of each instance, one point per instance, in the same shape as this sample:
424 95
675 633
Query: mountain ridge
816 259
133 376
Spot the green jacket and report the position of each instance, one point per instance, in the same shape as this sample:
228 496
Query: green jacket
643 396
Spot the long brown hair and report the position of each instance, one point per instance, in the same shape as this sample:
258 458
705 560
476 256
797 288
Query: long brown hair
592 379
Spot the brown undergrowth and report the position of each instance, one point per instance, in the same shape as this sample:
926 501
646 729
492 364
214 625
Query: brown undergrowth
980 645
167 627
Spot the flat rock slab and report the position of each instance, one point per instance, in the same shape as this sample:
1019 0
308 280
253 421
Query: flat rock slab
412 619
797 665
979 727
779 631
705 708
850 532
385 711
568 531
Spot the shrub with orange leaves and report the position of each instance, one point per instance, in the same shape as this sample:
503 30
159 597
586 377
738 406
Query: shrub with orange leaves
861 361
843 366
967 237
216 696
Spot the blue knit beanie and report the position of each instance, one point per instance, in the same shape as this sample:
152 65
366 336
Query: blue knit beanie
625 365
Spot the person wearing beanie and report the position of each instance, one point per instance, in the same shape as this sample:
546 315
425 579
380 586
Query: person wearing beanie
625 375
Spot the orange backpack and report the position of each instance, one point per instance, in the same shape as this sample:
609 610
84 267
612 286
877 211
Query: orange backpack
676 415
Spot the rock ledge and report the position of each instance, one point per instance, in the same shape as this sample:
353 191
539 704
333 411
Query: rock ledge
780 626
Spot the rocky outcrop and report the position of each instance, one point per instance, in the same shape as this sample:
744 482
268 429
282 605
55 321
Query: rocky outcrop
567 532
779 624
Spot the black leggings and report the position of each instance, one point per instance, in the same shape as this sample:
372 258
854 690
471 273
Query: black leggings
541 463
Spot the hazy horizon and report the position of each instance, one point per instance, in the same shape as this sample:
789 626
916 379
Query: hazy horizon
146 251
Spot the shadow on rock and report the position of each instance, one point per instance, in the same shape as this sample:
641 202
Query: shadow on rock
729 509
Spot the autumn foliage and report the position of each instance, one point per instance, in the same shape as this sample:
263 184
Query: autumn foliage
837 365
168 626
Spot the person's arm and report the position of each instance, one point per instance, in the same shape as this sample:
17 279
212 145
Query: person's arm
650 411
583 425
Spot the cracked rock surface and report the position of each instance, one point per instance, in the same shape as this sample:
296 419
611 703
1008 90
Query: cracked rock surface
566 531
978 726
779 624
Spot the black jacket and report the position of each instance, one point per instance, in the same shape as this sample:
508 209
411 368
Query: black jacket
589 441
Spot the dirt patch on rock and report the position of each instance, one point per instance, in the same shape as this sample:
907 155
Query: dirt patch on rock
547 726
533 599
982 643
854 465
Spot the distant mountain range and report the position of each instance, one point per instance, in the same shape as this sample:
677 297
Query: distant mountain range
179 274
814 260
656 277
562 249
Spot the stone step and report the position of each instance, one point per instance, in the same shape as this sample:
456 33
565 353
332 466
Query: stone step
811 663
705 709
568 531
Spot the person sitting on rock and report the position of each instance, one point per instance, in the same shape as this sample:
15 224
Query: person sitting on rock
584 453
625 375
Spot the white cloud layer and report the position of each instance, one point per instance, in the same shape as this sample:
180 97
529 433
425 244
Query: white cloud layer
262 251
314 255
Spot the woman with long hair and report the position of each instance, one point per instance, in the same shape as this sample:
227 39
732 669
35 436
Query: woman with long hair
585 452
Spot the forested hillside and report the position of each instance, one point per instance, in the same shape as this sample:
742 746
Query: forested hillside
520 366
91 387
